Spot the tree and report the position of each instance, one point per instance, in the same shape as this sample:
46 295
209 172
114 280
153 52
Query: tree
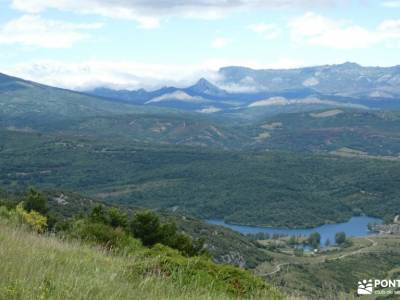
327 242
98 215
117 218
314 239
146 227
35 201
340 238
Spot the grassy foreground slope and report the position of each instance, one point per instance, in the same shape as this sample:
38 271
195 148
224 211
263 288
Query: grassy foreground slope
45 267
223 244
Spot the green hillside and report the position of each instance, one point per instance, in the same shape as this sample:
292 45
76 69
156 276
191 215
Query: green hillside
369 132
20 98
224 245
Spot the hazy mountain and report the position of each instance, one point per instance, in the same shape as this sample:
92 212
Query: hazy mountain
206 89
348 79
19 97
28 106
201 96
240 88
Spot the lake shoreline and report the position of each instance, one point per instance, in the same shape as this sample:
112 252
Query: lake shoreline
341 221
354 227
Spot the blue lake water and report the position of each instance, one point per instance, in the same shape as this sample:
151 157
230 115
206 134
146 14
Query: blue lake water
355 227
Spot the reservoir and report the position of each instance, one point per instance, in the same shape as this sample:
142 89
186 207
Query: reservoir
355 227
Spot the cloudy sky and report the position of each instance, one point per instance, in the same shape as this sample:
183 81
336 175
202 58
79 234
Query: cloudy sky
82 44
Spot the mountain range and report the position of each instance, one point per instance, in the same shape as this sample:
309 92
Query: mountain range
304 126
240 89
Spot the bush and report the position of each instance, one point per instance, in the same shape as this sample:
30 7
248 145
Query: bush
34 219
107 236
113 217
98 215
117 219
164 262
146 226
8 203
35 201
340 238
314 240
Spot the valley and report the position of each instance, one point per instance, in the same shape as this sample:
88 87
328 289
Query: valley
245 188
283 164
199 150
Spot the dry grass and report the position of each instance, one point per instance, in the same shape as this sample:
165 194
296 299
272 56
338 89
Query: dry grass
45 267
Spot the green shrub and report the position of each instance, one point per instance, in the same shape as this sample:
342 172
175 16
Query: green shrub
340 238
314 240
4 212
35 201
105 235
146 226
161 261
116 218
34 219
113 216
99 215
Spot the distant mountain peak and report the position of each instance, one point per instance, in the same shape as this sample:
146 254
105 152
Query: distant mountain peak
204 83
203 86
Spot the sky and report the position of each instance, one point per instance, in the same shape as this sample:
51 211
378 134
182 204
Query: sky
131 44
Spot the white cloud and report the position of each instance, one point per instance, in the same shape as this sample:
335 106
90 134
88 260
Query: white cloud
390 28
391 4
209 110
220 42
268 31
177 96
113 9
114 74
316 30
248 84
149 12
282 101
130 74
32 30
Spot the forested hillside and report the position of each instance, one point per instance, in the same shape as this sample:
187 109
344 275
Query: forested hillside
247 188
